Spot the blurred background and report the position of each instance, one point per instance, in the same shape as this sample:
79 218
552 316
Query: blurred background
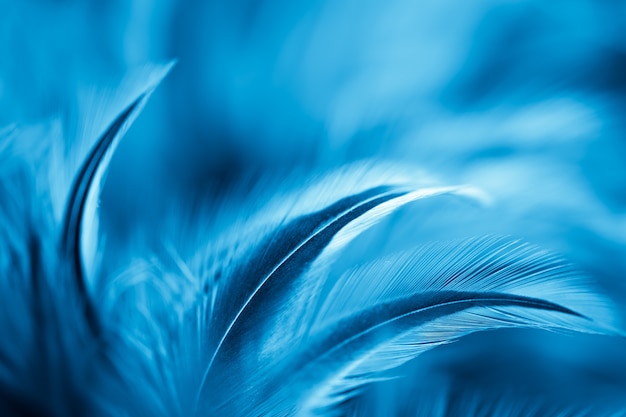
523 98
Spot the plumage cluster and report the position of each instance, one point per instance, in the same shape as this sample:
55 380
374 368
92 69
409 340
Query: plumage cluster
253 314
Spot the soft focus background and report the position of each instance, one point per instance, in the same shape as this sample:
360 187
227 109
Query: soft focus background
525 99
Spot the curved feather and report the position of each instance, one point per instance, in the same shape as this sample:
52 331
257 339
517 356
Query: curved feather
77 200
270 277
381 315
80 220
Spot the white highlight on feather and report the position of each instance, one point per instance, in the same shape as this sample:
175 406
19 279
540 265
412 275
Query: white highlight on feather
374 215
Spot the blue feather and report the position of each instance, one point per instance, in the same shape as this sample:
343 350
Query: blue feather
381 316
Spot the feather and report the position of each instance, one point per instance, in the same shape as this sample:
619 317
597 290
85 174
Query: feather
52 361
82 202
381 315
271 274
